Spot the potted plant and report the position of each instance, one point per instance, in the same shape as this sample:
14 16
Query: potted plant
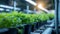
34 22
42 19
9 22
29 21
51 16
21 30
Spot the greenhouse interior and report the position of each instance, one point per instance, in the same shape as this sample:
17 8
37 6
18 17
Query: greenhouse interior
29 16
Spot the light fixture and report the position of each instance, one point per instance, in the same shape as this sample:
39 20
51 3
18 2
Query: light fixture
39 6
9 7
30 1
1 9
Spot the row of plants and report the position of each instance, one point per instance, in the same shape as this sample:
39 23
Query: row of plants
16 19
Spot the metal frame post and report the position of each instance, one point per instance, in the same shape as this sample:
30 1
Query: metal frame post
14 4
56 15
27 7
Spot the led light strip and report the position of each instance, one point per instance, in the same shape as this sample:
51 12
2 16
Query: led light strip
30 1
33 3
1 9
5 6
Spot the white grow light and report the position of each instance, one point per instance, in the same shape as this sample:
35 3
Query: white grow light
30 1
9 7
39 6
1 9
